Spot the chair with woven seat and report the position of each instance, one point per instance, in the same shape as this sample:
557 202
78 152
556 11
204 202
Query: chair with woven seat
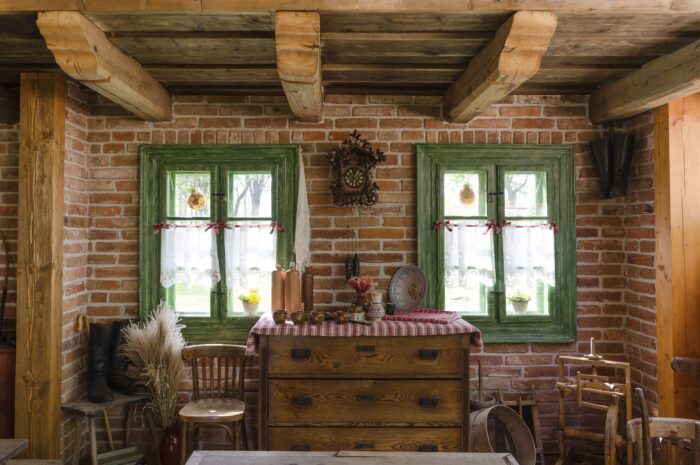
218 373
663 441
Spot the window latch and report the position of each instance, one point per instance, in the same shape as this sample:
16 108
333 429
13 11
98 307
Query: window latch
491 196
221 197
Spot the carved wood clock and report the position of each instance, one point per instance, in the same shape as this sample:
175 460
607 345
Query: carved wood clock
353 172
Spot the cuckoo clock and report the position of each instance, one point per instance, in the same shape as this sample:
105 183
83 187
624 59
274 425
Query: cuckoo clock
353 172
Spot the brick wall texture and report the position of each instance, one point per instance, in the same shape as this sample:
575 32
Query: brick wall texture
615 238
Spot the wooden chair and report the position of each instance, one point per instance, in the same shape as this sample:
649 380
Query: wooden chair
667 441
218 373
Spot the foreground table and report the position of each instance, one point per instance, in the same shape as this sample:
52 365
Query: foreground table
348 458
11 447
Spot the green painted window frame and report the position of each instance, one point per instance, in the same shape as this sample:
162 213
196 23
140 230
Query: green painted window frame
156 160
432 161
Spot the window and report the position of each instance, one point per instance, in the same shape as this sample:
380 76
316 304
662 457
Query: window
215 220
496 230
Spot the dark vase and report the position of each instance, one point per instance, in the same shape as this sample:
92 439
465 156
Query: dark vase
170 446
362 300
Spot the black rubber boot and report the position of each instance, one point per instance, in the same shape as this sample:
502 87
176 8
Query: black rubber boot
602 160
118 379
99 347
622 152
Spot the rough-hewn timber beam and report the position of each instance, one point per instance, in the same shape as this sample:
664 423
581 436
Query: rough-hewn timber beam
619 7
298 44
40 263
658 82
84 53
9 107
511 58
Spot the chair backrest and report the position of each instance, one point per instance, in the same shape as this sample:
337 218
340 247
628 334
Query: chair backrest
667 441
218 370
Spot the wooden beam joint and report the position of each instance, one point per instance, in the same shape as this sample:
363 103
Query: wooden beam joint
658 82
83 52
511 58
298 45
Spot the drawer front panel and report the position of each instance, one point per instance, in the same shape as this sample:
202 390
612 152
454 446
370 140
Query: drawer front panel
364 402
378 439
387 357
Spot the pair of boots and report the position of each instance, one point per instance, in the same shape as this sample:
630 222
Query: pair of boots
106 363
612 157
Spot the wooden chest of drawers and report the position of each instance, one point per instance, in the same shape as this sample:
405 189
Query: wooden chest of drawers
370 393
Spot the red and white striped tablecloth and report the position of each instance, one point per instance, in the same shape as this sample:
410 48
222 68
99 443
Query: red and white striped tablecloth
265 326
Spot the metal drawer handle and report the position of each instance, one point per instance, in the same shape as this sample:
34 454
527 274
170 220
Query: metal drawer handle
428 354
365 397
364 444
427 448
301 354
428 402
301 401
300 447
364 349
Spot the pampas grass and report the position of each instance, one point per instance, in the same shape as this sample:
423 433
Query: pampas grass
155 352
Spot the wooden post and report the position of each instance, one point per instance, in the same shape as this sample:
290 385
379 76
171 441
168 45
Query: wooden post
40 264
677 147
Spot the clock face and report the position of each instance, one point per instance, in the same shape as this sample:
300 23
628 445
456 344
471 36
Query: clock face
354 177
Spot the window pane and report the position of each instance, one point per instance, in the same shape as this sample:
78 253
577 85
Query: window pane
469 267
194 301
525 193
528 248
189 267
189 194
250 195
465 193
250 260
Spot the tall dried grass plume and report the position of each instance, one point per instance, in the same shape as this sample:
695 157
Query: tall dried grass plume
154 349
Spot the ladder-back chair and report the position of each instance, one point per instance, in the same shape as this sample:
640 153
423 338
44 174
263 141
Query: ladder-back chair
663 441
218 374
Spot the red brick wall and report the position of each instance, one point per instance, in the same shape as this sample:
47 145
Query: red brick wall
640 272
393 124
75 259
613 250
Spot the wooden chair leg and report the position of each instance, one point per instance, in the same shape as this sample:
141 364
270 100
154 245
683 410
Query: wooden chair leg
244 435
236 436
183 446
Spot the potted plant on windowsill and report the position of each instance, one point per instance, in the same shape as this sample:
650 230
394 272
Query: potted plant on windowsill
250 301
519 301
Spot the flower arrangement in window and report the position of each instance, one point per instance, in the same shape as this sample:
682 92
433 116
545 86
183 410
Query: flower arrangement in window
519 301
467 195
196 200
250 301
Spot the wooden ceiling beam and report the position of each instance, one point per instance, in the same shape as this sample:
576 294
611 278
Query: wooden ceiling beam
511 58
9 107
623 7
656 83
298 45
83 52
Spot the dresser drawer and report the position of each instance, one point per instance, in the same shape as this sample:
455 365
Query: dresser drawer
309 402
379 357
384 439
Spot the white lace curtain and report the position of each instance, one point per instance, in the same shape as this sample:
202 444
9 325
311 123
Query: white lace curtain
469 254
188 255
529 253
250 255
